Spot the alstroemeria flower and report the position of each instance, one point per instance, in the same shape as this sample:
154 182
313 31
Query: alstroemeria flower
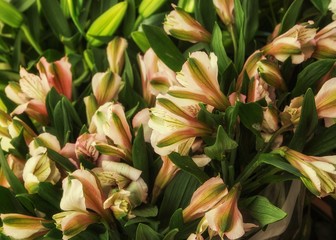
258 89
325 100
297 43
206 197
332 8
156 77
319 173
224 9
181 25
199 80
270 73
116 54
39 168
292 113
19 226
16 165
270 124
105 86
82 191
72 223
58 74
174 123
46 140
225 218
326 42
85 146
31 91
110 120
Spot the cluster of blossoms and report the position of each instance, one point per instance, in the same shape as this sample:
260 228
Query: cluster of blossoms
112 188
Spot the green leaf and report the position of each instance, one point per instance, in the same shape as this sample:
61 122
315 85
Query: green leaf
74 11
205 13
164 48
188 165
240 51
103 28
278 162
291 16
261 209
146 232
129 18
311 74
55 17
140 40
139 155
217 46
239 16
19 144
63 161
51 101
145 211
322 143
222 145
231 117
251 115
307 124
50 193
8 203
171 234
10 15
13 181
177 195
23 5
250 8
321 5
176 220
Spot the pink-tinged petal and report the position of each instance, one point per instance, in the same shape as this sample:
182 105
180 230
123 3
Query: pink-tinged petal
91 107
224 9
34 109
105 86
208 195
113 151
122 169
14 93
326 99
116 54
19 226
141 119
58 75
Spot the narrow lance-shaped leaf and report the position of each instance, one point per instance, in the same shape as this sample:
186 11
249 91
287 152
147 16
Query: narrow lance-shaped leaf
290 17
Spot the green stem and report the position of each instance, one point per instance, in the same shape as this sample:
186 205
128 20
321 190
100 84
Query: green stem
249 169
31 40
225 169
137 22
234 41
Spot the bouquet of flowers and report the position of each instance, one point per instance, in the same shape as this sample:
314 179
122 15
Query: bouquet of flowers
156 119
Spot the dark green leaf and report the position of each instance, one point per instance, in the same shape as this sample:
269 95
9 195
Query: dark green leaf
141 41
171 234
239 62
176 220
291 16
239 16
63 161
250 8
51 101
145 232
321 5
251 115
307 124
145 211
8 203
50 193
278 162
311 74
261 209
13 181
205 13
188 165
19 144
139 155
55 17
222 145
217 46
129 18
323 142
137 220
231 117
23 5
164 47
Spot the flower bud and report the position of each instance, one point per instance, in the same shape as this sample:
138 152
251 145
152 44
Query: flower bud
84 146
118 201
181 25
270 73
91 107
19 226
224 9
116 54
148 7
105 86
292 113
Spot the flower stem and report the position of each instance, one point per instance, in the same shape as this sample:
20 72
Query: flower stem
31 40
234 42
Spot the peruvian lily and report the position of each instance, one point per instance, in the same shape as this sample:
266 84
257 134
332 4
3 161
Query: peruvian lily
173 123
16 165
82 192
318 173
141 119
85 146
259 89
19 226
156 77
225 218
270 73
39 168
181 25
205 198
325 100
105 86
291 114
199 80
110 120
325 42
58 75
224 9
116 54
297 43
72 223
332 8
